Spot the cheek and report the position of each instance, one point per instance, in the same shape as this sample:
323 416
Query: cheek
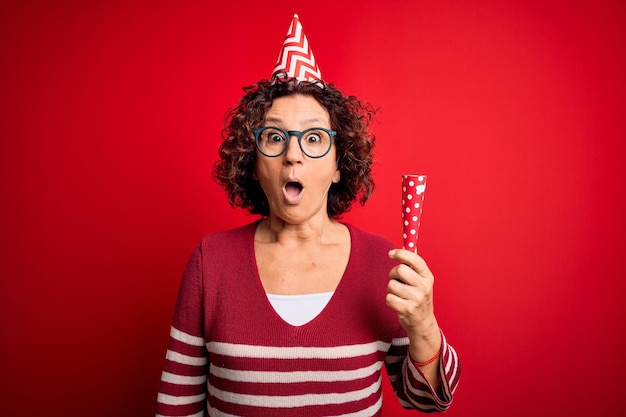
262 168
266 174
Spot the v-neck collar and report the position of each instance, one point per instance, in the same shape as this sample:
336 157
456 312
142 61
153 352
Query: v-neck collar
331 306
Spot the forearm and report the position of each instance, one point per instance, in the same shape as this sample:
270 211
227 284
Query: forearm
414 385
425 347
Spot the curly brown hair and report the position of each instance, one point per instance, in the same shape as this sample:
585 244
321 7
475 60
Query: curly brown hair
349 116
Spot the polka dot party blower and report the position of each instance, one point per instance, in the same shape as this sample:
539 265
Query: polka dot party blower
413 190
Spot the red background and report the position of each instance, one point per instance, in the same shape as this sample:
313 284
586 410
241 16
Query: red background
110 121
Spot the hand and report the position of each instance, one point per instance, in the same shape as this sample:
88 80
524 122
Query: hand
410 294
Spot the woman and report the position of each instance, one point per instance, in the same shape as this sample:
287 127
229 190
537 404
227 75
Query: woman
298 154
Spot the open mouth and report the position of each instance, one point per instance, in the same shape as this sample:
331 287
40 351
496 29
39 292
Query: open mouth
293 191
293 188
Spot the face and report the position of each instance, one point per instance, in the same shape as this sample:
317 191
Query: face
297 186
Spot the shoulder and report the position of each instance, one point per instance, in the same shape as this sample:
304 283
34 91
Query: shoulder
363 239
370 251
222 252
224 244
222 237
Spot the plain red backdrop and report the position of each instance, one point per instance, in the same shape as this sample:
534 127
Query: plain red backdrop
109 124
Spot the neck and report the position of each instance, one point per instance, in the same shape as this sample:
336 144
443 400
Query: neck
316 230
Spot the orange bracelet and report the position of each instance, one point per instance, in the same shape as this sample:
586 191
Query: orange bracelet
429 361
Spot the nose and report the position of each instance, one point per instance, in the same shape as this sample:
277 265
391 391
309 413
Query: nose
293 154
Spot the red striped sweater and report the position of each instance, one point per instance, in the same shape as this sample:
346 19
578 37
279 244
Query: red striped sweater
231 354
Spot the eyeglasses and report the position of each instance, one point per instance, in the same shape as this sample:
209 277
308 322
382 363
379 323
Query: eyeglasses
273 141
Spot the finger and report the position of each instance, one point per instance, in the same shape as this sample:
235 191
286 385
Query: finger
416 262
408 306
414 293
396 287
406 275
397 304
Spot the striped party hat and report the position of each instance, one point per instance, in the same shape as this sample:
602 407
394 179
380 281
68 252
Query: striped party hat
296 59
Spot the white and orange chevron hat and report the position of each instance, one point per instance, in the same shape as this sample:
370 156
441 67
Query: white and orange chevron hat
296 59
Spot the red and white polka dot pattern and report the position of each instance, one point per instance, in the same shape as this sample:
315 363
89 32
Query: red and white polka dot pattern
413 190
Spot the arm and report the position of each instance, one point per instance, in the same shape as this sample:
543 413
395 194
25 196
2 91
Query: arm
182 390
429 371
411 386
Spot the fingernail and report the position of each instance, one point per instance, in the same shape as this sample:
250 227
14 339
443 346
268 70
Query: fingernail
391 252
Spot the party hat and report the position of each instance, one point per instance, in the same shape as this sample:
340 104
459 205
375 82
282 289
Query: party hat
296 59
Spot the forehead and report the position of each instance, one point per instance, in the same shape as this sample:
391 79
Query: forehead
297 108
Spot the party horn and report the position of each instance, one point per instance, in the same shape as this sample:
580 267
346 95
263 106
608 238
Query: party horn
413 190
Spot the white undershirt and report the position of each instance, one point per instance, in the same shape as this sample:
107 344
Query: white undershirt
299 309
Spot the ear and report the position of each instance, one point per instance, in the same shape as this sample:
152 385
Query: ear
336 176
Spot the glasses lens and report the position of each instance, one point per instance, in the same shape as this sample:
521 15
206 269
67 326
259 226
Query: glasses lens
272 141
315 142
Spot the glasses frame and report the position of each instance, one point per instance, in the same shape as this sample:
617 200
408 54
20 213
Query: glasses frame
288 134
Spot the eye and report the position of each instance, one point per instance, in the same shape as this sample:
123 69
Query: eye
273 137
314 138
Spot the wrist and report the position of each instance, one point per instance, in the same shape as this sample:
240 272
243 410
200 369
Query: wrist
425 332
425 347
428 361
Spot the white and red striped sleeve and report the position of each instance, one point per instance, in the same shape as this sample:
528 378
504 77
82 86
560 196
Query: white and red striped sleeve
411 386
182 390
